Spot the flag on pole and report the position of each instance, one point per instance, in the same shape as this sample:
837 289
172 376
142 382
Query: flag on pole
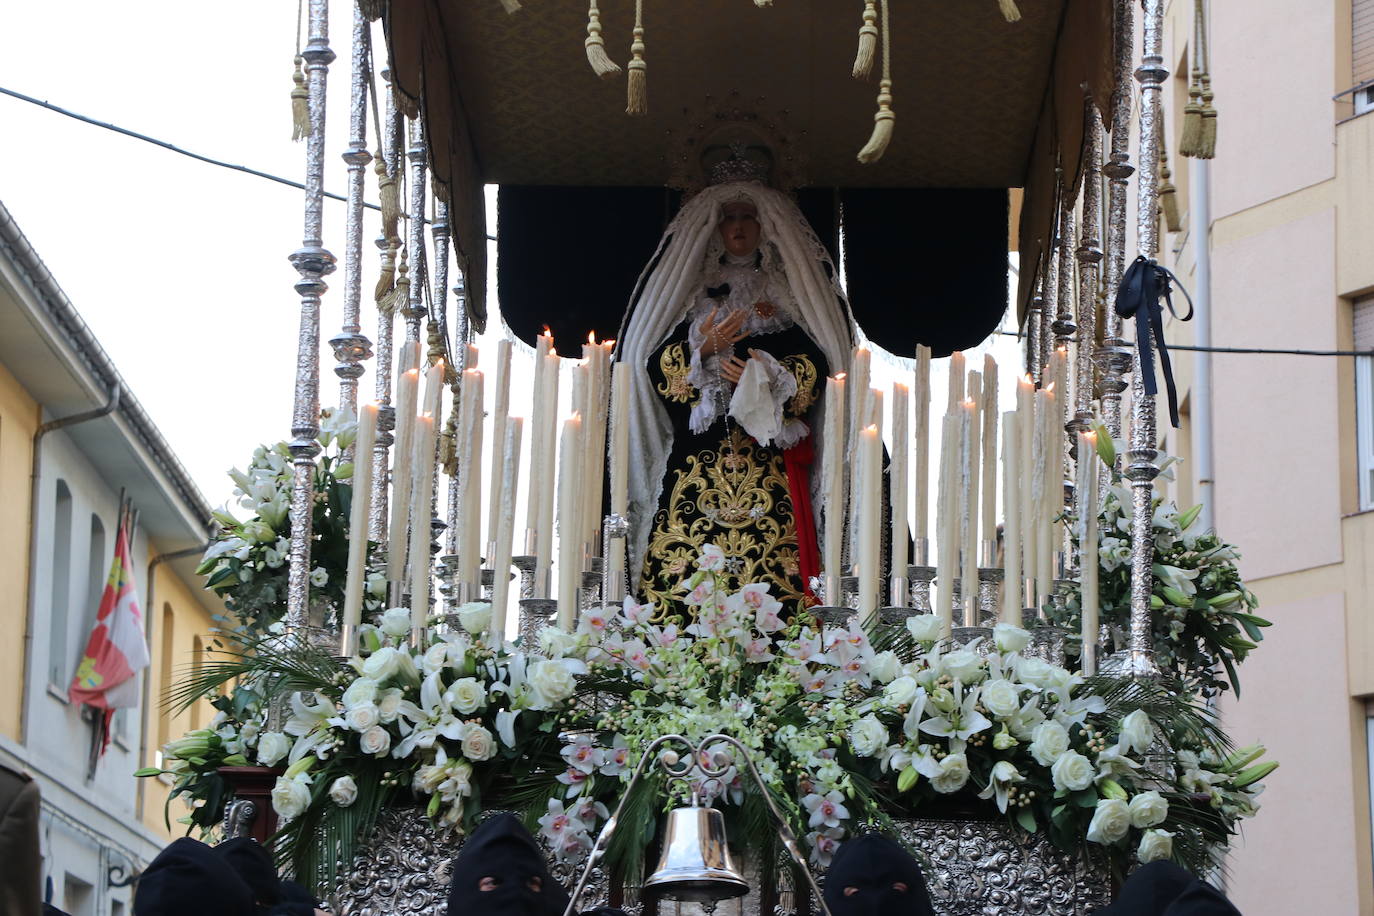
116 650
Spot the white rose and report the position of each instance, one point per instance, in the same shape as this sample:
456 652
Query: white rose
435 658
249 732
549 682
1049 741
361 718
900 692
1072 772
1148 809
1035 672
467 695
382 664
1001 698
554 643
1155 844
376 741
924 627
953 774
272 746
1137 733
963 665
344 791
478 743
290 797
885 666
389 704
475 616
868 736
1110 821
1010 638
360 692
376 585
396 622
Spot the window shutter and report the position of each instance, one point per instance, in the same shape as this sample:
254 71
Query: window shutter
1363 313
1362 40
1364 323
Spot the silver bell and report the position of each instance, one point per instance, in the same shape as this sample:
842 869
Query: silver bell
695 865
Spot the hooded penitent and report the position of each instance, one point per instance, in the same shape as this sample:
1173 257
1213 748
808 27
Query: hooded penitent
503 851
188 877
1164 889
254 865
872 875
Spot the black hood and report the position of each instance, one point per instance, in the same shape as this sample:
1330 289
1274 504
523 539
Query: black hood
501 848
872 864
188 877
254 865
1164 889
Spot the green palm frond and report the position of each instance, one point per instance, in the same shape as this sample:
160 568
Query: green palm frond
283 664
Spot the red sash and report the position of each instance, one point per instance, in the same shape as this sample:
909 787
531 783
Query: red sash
798 460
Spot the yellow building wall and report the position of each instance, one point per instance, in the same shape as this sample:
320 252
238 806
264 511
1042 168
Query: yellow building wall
19 420
172 656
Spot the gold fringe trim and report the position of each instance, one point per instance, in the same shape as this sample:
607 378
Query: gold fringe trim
883 123
868 41
601 62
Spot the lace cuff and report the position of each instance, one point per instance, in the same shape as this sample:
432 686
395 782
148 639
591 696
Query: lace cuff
760 396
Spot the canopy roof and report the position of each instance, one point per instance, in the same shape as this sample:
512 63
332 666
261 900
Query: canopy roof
509 98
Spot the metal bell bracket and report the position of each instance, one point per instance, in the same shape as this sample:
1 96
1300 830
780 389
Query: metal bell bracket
678 766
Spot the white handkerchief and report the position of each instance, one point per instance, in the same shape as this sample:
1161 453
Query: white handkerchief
754 405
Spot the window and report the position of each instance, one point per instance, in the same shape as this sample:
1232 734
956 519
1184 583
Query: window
197 666
165 659
59 640
1364 399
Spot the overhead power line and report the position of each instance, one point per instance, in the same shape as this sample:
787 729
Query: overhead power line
1264 351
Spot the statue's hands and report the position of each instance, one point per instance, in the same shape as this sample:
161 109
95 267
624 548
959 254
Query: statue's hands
721 336
733 368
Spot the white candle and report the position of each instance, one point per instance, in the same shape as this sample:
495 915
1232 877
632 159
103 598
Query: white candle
968 507
505 524
956 379
470 484
1087 546
422 458
858 389
357 520
401 474
833 558
620 461
897 483
1025 428
1047 474
921 435
973 403
569 505
548 466
500 411
1011 529
870 534
947 511
424 482
988 411
539 411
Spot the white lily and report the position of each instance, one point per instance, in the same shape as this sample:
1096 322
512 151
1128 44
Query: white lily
961 722
1004 774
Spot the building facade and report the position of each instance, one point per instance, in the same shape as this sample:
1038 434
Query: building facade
1290 236
73 438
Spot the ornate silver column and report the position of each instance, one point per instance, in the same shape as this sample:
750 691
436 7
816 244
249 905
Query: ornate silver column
1034 332
1114 357
313 263
350 346
1049 304
1140 459
1089 260
415 308
388 150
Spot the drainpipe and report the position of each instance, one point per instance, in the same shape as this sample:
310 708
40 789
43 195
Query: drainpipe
153 564
1200 228
51 426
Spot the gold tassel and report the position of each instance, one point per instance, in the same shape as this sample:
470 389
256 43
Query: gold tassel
868 41
882 126
1192 120
637 96
601 62
300 104
763 4
1168 198
510 6
400 293
390 197
1207 141
1009 10
387 278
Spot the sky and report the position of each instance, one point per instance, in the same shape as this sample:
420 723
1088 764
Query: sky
180 267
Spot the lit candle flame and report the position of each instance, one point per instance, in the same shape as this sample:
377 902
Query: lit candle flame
839 376
548 332
591 338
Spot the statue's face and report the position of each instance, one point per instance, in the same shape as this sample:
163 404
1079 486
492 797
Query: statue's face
739 228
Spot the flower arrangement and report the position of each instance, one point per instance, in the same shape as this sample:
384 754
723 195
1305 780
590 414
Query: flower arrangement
1204 616
246 564
846 727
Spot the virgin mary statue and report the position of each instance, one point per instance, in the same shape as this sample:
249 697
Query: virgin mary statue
733 328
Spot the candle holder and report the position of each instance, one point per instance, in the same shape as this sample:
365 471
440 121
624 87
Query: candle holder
921 578
849 592
525 566
589 595
979 637
615 527
1047 644
831 616
894 616
920 551
987 554
1030 599
535 615
448 580
899 591
989 593
488 577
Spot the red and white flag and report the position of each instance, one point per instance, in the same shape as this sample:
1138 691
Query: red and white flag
117 649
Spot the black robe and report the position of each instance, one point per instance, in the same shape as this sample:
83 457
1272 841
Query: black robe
721 486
